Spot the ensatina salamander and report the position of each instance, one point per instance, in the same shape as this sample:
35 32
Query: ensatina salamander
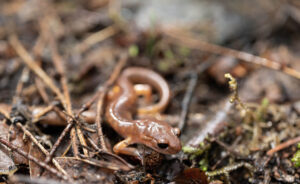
151 132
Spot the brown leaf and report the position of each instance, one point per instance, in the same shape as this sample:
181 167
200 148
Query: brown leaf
16 139
34 169
7 166
191 175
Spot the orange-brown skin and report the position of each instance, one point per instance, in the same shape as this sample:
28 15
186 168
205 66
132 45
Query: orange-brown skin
151 132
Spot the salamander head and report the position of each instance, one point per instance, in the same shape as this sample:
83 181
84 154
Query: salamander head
160 136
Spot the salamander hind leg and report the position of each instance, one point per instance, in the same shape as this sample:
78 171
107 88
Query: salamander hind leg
144 90
122 148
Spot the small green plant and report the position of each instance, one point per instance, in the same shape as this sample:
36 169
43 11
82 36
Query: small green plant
244 110
133 50
296 157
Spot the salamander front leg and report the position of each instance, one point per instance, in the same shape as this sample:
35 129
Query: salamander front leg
122 148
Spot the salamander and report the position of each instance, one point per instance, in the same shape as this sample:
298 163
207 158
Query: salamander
153 133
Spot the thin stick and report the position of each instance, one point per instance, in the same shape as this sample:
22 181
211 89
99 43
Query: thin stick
33 159
96 38
58 64
74 142
58 142
99 121
194 43
37 51
32 138
20 85
110 82
31 64
212 126
283 145
42 112
41 90
187 100
88 104
102 96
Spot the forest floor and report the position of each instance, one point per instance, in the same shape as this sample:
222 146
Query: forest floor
235 95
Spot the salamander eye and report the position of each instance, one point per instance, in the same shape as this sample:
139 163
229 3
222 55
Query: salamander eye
163 145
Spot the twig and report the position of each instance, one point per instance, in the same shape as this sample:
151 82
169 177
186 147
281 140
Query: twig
58 142
44 111
283 145
103 91
32 138
96 38
74 142
88 104
58 63
194 43
187 100
99 120
24 77
27 59
212 126
37 52
108 83
33 159
41 90
191 87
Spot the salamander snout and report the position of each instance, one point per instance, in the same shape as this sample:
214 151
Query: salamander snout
169 142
